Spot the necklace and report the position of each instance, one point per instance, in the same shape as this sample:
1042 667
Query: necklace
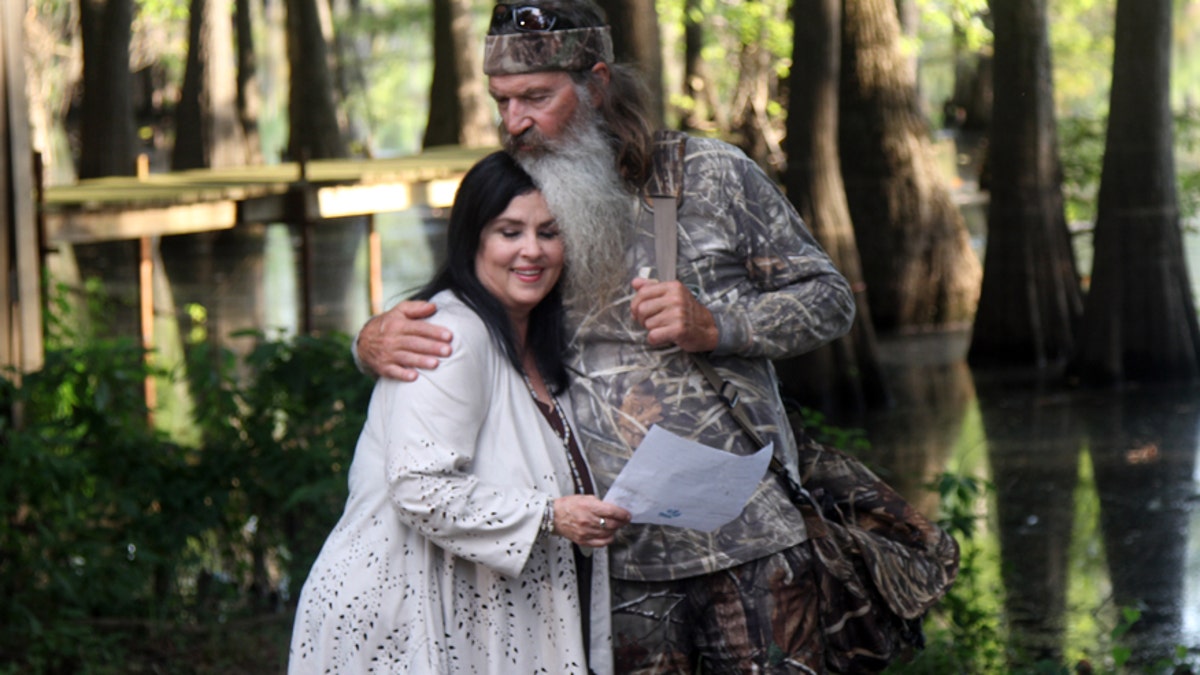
565 436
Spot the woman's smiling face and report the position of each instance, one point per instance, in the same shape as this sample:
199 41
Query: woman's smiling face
520 255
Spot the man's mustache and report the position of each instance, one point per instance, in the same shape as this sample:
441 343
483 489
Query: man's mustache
528 141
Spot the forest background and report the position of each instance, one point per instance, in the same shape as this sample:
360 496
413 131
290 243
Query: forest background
1071 126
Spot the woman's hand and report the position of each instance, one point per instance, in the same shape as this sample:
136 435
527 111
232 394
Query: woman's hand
587 521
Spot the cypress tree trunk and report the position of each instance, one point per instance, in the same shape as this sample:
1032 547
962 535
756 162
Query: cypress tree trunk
208 132
1030 301
249 98
1139 316
313 131
842 378
459 110
916 254
636 40
108 143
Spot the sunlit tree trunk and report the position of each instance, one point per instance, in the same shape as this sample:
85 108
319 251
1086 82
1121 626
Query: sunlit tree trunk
909 16
1030 301
108 142
208 132
636 40
1139 316
842 378
916 255
459 110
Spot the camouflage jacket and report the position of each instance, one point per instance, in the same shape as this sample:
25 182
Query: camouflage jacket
747 256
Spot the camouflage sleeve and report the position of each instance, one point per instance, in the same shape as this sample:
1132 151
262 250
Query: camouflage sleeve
794 299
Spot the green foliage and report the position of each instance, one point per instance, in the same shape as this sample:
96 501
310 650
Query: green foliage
1081 42
159 37
731 32
1187 160
388 94
966 20
111 529
849 439
964 633
97 503
280 441
1081 142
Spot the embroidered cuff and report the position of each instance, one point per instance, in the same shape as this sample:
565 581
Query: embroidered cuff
548 517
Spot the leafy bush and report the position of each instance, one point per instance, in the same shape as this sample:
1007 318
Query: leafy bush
111 529
279 439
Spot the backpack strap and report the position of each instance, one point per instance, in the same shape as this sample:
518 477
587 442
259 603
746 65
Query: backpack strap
664 190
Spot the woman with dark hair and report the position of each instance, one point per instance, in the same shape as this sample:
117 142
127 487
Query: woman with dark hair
468 540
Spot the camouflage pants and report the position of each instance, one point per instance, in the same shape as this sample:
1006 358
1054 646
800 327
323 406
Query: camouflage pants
758 617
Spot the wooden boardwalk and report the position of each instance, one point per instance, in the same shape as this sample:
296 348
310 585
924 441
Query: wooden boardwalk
303 195
131 207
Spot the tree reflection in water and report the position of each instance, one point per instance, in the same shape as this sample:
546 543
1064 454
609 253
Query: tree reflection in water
1094 506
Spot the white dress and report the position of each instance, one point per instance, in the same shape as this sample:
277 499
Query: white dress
437 564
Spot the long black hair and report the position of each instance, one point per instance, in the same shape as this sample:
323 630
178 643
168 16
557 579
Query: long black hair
485 192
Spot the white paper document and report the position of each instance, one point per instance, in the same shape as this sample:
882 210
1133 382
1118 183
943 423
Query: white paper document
674 481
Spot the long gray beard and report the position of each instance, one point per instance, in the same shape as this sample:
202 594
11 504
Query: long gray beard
577 174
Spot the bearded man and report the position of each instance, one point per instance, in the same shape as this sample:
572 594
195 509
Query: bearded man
753 285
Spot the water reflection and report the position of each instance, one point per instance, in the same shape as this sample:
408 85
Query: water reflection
1095 500
1033 446
1143 447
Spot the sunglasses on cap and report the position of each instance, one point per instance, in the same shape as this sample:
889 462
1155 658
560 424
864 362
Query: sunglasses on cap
525 18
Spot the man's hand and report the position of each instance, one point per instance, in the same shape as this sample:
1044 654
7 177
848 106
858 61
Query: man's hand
672 315
399 341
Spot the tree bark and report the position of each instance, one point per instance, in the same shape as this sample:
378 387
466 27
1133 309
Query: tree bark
916 254
1139 315
909 16
108 142
1030 300
208 131
249 97
108 145
636 39
843 378
459 110
338 299
313 131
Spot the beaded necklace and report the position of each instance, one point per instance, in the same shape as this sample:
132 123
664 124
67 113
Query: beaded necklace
565 437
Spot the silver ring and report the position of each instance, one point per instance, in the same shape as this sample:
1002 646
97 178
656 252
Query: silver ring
603 523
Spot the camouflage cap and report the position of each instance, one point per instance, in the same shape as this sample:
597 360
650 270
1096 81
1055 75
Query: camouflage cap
574 49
